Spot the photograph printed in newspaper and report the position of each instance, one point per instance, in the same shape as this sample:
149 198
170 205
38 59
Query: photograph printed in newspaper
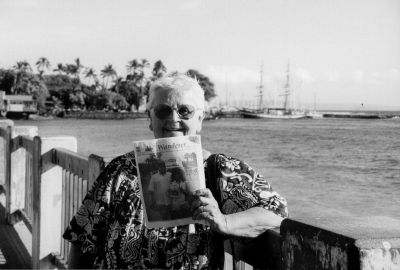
169 171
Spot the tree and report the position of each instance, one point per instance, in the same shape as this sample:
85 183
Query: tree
77 67
204 82
22 66
116 101
61 69
30 84
41 65
108 72
135 67
90 73
7 81
65 89
159 70
132 66
130 91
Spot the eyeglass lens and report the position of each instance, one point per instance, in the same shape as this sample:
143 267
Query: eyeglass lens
162 111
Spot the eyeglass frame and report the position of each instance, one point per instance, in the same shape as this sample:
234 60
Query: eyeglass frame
175 108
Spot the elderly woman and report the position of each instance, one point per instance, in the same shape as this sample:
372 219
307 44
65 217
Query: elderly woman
108 230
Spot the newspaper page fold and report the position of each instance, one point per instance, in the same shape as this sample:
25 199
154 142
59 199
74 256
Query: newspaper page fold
169 171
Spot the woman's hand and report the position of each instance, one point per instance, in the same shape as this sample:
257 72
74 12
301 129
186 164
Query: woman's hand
205 207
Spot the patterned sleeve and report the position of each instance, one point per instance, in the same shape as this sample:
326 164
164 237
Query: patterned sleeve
242 188
88 228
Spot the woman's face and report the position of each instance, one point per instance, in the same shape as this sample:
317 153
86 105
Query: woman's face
173 124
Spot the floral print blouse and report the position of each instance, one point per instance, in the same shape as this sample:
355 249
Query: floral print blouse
110 222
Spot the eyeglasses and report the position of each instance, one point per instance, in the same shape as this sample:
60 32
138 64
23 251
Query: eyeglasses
162 111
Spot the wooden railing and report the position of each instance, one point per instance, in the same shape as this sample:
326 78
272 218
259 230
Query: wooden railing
77 176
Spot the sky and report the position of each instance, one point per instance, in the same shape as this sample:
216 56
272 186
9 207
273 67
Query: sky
342 54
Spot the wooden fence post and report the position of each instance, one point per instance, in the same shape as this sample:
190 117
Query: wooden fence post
96 165
21 170
37 169
7 170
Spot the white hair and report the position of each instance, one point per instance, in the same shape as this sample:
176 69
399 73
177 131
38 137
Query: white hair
179 83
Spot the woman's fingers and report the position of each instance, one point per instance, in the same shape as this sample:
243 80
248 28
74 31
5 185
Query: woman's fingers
205 192
200 201
212 217
205 207
202 197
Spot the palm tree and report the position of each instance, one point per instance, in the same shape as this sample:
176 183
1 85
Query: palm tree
159 69
132 66
74 69
60 68
90 73
117 84
145 63
23 66
21 69
108 72
135 69
42 64
78 66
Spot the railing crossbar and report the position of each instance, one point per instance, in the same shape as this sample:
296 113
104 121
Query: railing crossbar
25 142
71 161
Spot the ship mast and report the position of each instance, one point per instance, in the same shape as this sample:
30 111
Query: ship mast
260 88
287 88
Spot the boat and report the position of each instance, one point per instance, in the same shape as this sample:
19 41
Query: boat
273 113
284 112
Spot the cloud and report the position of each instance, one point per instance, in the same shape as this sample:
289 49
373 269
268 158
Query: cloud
303 75
390 75
333 76
22 4
300 75
358 76
234 74
190 5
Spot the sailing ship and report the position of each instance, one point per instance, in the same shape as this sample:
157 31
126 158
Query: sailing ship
284 112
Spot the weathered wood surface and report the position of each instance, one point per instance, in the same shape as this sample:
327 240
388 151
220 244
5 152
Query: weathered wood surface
12 251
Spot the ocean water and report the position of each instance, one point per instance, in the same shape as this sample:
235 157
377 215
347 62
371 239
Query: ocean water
323 167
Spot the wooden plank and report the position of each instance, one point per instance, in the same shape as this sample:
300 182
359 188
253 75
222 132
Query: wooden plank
71 161
20 215
3 132
7 168
27 221
27 187
36 165
22 142
96 166
84 188
28 184
75 194
67 211
63 219
80 194
47 161
71 200
15 254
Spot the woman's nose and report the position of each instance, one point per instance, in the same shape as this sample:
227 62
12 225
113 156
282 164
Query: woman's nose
174 116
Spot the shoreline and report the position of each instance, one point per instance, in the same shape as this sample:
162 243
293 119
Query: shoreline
218 115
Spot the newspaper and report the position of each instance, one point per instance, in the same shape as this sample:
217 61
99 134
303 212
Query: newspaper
169 171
